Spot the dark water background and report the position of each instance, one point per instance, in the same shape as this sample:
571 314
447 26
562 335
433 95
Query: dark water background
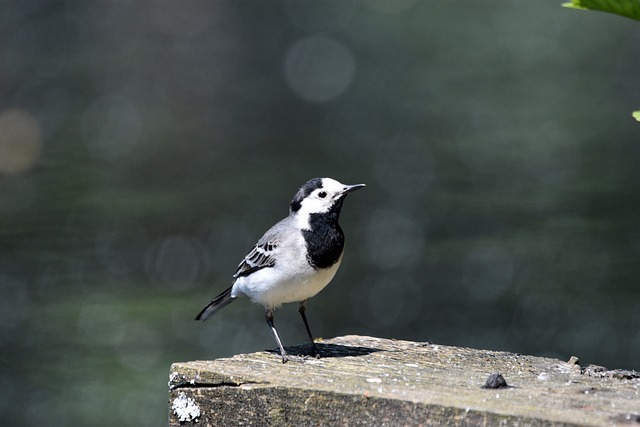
145 146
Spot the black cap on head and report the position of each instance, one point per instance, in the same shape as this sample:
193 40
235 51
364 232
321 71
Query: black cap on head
303 192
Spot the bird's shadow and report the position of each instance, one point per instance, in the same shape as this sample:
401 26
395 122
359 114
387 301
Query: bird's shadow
326 350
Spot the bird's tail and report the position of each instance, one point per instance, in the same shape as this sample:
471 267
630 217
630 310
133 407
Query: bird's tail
218 303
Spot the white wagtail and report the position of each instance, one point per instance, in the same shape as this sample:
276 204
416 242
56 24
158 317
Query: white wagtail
296 258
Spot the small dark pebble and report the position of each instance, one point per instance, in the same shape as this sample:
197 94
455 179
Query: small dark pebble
495 381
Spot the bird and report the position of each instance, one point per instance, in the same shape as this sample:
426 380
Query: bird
295 259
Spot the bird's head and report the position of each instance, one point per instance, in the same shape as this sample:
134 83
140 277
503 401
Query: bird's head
321 195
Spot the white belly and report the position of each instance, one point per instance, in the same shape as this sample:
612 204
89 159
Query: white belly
284 283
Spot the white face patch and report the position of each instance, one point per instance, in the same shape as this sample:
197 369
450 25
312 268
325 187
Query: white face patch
320 200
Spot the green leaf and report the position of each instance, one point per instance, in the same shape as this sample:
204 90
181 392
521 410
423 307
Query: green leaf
628 8
636 115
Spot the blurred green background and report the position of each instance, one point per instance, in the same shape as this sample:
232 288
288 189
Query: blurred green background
145 146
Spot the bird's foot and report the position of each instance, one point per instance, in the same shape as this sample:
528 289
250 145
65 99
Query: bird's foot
299 358
293 358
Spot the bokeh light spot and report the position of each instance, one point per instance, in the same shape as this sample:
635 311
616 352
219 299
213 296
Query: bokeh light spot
319 69
140 349
111 126
177 261
20 141
488 272
101 321
120 246
395 239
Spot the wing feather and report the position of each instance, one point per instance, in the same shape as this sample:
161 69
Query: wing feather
261 256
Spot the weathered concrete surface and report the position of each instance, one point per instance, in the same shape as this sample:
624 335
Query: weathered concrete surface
371 381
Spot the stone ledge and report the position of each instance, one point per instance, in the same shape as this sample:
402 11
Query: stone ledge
373 381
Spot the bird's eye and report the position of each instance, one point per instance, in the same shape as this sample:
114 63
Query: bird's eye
322 194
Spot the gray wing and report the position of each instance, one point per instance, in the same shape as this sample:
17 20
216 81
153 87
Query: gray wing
261 256
263 253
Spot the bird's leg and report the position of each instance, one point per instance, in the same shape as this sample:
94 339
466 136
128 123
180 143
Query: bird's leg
301 309
268 315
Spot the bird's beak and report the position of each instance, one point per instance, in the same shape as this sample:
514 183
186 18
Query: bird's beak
350 188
